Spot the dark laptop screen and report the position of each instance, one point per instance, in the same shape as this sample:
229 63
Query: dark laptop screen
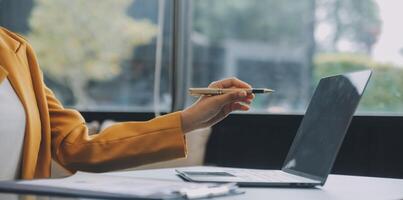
325 123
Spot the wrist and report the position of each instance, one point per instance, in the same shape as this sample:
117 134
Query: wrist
186 121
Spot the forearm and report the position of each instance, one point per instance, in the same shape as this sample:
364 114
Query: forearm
122 145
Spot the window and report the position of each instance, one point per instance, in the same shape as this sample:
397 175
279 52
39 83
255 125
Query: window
100 54
288 45
96 54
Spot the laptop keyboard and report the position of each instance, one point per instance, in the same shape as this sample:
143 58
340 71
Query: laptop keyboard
268 176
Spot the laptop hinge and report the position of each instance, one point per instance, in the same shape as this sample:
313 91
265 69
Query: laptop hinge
305 175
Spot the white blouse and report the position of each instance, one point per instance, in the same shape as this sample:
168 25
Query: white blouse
12 130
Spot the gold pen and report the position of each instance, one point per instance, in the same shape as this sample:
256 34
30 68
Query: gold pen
218 91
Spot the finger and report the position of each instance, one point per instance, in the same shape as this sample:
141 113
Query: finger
230 82
251 96
245 100
239 106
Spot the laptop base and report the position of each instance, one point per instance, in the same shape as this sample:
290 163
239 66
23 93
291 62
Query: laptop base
213 176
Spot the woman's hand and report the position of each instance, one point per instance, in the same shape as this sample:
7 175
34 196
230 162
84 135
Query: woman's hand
209 110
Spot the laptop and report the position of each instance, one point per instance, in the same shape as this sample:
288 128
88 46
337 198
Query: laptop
315 146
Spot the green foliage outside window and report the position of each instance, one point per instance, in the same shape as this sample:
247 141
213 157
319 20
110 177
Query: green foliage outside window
385 89
266 21
79 41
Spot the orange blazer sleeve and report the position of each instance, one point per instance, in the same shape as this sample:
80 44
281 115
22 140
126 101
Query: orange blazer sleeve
120 146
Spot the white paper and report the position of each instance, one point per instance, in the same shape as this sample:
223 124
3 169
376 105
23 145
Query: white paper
116 184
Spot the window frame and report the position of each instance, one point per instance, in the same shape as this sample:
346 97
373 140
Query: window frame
181 52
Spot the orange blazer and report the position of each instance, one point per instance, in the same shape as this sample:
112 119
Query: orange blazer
59 133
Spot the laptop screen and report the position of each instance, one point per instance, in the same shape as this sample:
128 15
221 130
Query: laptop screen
325 124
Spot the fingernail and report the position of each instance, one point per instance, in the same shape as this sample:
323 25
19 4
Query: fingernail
242 94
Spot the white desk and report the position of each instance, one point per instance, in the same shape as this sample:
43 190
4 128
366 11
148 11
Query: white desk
336 187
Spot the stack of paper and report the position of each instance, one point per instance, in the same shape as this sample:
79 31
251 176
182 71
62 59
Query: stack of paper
109 186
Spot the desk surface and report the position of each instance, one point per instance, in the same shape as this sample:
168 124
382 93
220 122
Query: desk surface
337 187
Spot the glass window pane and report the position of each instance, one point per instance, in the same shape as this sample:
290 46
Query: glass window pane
95 54
288 45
